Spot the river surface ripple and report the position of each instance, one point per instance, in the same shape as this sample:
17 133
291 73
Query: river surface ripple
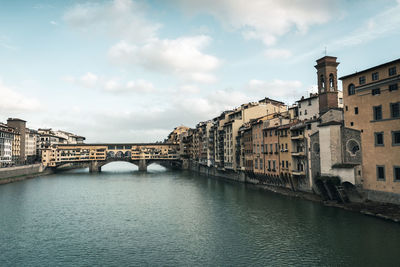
173 218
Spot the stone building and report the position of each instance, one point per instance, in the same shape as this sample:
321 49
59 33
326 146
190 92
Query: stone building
372 106
237 118
19 142
246 148
6 145
31 139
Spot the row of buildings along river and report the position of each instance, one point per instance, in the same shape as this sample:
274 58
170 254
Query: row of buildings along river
339 145
20 145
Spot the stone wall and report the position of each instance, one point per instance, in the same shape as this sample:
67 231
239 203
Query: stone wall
8 175
348 135
385 197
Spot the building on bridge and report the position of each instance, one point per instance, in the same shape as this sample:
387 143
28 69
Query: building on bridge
98 155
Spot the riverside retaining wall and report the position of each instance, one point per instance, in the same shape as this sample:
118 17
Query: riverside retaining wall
13 174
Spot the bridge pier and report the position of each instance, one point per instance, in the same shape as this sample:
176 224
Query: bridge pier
142 165
94 166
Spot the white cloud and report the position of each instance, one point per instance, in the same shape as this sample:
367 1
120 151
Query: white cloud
89 80
189 88
384 23
112 85
120 18
13 101
139 44
182 56
277 53
265 20
288 91
52 22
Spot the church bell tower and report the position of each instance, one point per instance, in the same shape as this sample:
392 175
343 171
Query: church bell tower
327 83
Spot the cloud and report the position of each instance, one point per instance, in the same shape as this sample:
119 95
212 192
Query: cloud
265 20
113 85
183 57
384 23
277 53
52 22
120 18
13 101
288 91
6 42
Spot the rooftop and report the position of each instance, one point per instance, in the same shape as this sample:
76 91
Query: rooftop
370 69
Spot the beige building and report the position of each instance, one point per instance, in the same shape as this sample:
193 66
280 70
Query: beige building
237 118
372 105
31 139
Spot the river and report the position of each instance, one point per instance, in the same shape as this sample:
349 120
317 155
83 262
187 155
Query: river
122 217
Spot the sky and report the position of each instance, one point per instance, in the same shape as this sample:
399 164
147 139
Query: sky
132 70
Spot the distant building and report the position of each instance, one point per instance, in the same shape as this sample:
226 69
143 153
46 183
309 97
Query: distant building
19 142
6 145
372 106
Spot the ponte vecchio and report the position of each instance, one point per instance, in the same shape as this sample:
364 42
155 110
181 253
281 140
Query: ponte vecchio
98 155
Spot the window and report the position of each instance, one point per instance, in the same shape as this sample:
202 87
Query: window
309 102
351 123
270 133
379 139
380 172
299 105
356 110
361 79
347 108
396 173
308 126
340 100
393 87
377 113
287 164
273 164
376 91
283 164
353 147
262 149
286 146
256 163
271 149
396 138
261 164
395 110
322 83
269 165
266 148
375 76
392 71
305 112
300 113
351 89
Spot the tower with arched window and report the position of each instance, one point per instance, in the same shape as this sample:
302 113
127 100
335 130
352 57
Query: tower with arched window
327 83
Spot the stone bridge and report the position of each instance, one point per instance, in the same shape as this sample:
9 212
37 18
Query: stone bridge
98 155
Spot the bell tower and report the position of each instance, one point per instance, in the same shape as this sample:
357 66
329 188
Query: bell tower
327 83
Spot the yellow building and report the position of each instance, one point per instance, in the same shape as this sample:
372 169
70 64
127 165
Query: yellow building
372 105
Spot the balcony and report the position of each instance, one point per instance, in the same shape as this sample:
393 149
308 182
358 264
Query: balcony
299 172
298 154
297 137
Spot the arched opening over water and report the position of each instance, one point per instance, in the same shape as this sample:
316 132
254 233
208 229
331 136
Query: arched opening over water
119 166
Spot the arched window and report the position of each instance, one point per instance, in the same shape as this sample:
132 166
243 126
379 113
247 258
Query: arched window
351 89
331 82
322 80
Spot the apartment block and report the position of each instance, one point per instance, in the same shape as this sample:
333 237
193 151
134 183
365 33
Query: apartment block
372 106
